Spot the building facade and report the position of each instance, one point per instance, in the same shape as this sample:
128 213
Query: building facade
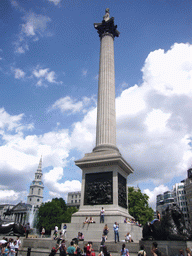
181 199
74 199
163 201
35 196
181 194
188 189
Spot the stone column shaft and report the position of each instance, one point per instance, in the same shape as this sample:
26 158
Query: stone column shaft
106 118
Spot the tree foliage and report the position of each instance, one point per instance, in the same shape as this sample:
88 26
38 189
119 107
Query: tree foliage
138 206
54 213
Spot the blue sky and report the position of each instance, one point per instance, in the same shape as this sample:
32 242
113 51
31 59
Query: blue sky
49 62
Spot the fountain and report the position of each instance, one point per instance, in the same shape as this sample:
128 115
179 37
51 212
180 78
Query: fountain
31 217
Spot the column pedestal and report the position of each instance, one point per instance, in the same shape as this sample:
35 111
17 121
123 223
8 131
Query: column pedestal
104 184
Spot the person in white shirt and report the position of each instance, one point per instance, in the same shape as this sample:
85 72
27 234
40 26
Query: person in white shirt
102 214
17 245
128 238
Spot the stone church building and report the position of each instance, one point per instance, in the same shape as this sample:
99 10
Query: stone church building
23 212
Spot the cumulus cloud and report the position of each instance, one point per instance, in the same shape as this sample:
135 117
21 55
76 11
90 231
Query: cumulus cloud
52 179
153 120
20 154
19 73
153 194
8 122
33 28
67 104
10 196
44 75
84 134
56 2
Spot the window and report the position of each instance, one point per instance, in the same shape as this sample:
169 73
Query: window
71 201
30 199
75 201
38 200
72 196
39 191
79 200
32 191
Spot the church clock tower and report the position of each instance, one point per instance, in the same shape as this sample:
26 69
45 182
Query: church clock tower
35 196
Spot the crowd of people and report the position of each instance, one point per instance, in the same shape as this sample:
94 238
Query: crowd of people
10 247
73 249
132 221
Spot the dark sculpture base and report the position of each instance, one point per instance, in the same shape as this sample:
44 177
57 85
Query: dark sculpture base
171 227
11 228
167 248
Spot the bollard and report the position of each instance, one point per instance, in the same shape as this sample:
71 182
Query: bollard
29 251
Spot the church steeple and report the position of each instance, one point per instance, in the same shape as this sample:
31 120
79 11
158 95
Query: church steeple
35 196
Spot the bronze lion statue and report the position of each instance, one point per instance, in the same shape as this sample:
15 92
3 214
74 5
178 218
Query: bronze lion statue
171 227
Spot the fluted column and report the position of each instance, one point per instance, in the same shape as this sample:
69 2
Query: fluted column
106 116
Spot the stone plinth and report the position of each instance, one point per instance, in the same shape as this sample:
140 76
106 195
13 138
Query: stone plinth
104 184
168 248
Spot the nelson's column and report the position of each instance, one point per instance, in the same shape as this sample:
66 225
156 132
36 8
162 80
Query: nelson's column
104 171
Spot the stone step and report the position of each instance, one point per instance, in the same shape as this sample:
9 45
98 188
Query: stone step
46 244
94 231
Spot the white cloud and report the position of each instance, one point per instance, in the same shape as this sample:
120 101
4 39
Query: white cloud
19 154
67 104
84 72
52 179
19 73
156 120
34 26
10 196
153 194
56 2
153 120
51 77
44 75
169 72
9 122
84 134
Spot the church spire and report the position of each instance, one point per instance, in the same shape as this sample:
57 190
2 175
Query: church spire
35 196
39 169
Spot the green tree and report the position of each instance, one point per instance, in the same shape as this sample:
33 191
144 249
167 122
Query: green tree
138 206
54 213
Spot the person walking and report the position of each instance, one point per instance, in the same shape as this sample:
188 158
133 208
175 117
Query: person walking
116 231
105 231
102 215
64 230
27 229
43 232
